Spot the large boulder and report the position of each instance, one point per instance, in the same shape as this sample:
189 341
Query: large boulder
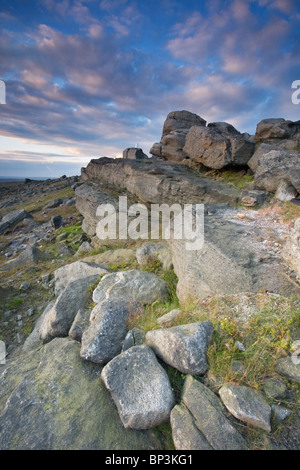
52 400
139 387
134 153
183 347
218 145
131 286
278 131
231 260
75 271
271 166
175 129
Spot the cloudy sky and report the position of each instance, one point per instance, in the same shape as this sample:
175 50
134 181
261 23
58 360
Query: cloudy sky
88 78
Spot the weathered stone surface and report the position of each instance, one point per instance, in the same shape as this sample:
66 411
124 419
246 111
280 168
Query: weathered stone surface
291 249
134 153
33 341
260 150
80 324
166 319
175 129
52 400
13 218
277 130
185 434
134 285
59 319
274 166
247 405
218 145
230 261
85 247
139 387
134 337
209 418
151 181
253 197
102 341
274 388
285 191
75 271
287 368
31 255
150 251
183 347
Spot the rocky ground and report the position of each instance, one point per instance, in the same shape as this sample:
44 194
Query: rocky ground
145 344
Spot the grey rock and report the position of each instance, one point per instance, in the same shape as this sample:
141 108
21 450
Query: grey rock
254 197
280 413
11 219
102 341
31 255
33 341
25 286
287 368
285 191
75 271
229 262
139 387
183 347
138 286
85 247
169 317
80 324
208 415
150 251
276 130
134 153
52 400
59 319
247 405
274 388
134 337
56 221
53 204
291 249
185 434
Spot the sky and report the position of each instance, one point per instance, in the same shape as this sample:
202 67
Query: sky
89 78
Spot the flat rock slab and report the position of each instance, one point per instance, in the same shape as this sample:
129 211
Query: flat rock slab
183 347
185 434
52 400
287 368
13 218
247 405
139 387
133 285
208 417
102 340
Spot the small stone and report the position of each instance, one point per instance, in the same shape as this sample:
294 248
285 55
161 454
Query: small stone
274 388
240 346
247 404
288 368
169 317
25 286
280 413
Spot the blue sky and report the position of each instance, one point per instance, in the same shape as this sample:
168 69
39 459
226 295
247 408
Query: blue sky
89 78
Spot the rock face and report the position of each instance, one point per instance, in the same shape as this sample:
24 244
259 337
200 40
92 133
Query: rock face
183 347
175 129
278 131
218 145
272 166
150 252
74 272
13 218
52 400
200 421
134 153
291 250
247 404
229 262
144 397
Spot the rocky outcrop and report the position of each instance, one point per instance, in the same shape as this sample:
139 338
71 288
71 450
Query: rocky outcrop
31 255
230 261
53 400
175 129
144 396
218 145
